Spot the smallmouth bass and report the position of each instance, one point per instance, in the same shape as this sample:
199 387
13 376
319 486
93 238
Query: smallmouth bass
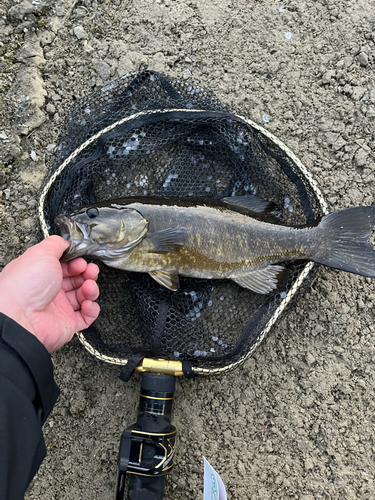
231 238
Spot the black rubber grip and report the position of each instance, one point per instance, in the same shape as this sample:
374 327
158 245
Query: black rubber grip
154 415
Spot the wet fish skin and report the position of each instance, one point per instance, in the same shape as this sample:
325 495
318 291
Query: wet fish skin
168 238
94 232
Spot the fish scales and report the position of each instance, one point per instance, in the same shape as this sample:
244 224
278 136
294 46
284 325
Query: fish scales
232 238
218 241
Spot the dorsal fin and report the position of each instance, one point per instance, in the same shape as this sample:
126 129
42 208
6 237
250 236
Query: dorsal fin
266 211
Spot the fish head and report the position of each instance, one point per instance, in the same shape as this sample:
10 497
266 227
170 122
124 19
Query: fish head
105 232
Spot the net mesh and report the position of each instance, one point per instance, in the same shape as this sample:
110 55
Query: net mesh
150 135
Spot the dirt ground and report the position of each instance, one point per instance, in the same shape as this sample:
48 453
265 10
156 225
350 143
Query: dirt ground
298 419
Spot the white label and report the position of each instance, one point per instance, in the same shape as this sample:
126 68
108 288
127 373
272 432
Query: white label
214 488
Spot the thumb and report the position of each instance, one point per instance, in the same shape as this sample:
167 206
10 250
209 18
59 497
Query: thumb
53 245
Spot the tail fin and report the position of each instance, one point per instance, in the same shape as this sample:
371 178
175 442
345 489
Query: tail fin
345 242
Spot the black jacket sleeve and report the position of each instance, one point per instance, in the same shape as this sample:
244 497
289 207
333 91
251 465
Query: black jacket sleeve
28 393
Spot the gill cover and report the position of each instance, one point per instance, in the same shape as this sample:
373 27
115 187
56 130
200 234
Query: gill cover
113 224
107 231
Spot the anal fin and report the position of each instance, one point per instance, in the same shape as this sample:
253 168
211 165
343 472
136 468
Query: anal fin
169 279
265 280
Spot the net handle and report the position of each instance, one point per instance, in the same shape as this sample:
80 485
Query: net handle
147 448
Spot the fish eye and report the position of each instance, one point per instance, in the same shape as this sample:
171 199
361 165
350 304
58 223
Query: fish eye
92 213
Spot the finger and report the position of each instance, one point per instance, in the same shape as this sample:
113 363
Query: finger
92 272
74 267
53 245
87 315
71 283
88 291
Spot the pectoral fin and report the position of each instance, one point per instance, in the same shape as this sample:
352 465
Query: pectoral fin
167 240
264 280
169 279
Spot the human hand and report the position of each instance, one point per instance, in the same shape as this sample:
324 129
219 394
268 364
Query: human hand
52 300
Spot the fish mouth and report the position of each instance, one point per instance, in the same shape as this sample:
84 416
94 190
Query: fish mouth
71 232
64 227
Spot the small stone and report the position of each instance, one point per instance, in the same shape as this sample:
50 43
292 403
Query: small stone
80 33
60 10
227 434
339 143
15 151
328 76
268 446
363 59
46 37
340 64
158 62
18 206
51 147
361 304
265 118
360 158
87 48
345 62
103 70
310 359
19 11
33 156
125 65
289 115
30 49
80 12
331 137
346 389
24 27
77 403
50 108
130 62
358 92
186 73
371 113
273 67
28 93
309 465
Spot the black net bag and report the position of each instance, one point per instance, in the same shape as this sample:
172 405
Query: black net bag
147 135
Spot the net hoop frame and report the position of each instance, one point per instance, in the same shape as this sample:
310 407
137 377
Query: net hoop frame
304 273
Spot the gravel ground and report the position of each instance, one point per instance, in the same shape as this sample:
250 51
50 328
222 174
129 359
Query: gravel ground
298 419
